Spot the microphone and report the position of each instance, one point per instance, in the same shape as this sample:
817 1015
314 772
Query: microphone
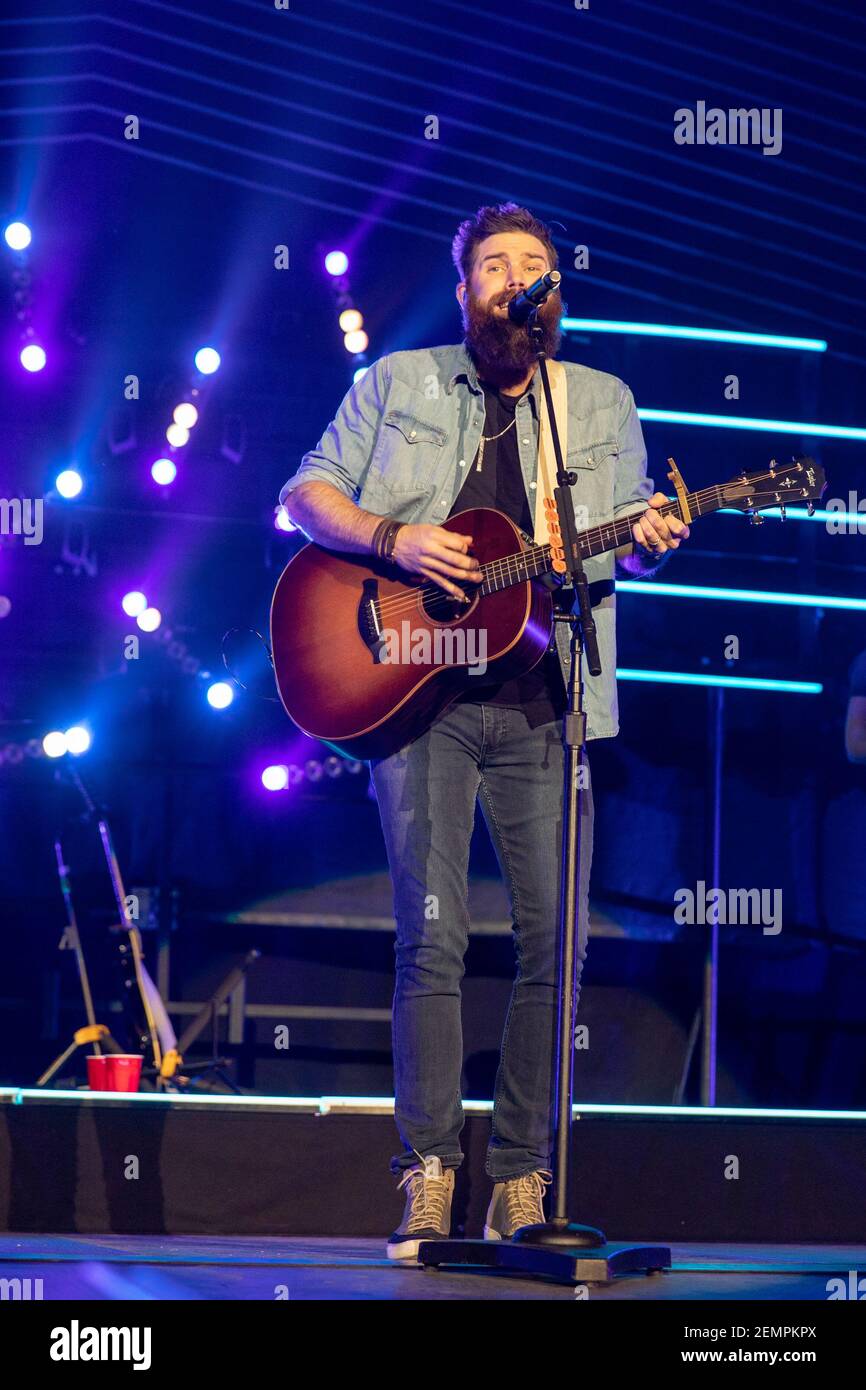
523 304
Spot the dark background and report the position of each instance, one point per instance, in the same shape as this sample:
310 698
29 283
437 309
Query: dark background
305 128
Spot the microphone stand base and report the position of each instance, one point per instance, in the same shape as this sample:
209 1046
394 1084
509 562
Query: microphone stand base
565 1264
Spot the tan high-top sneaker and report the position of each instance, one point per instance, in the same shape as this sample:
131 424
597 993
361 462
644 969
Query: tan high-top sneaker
427 1215
517 1202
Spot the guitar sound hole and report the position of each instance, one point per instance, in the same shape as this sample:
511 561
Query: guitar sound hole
442 608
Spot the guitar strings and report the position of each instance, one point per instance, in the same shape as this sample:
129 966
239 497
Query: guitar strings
406 602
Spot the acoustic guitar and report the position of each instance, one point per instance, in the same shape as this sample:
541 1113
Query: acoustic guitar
366 656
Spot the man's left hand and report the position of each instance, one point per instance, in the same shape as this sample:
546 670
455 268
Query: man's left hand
656 532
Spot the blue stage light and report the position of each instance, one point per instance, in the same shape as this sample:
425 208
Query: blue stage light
626 673
18 236
707 335
712 592
220 695
336 262
69 483
164 471
78 740
746 422
207 360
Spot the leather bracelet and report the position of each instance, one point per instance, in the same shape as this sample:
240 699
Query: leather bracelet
378 536
391 539
384 537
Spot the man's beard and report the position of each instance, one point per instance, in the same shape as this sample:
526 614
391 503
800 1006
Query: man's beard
503 351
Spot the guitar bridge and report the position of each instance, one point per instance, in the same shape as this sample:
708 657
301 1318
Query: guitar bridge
369 617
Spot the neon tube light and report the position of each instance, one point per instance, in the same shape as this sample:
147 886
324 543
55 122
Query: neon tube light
706 335
649 586
747 422
726 682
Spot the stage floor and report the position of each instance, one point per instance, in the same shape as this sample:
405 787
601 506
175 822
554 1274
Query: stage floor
194 1267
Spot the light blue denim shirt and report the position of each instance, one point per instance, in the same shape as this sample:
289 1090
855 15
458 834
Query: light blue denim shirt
406 433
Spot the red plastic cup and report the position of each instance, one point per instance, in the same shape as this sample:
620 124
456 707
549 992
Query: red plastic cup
122 1071
96 1072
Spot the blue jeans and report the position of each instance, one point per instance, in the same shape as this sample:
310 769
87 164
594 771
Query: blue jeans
426 794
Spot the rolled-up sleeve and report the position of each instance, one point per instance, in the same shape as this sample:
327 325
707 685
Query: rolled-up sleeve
342 456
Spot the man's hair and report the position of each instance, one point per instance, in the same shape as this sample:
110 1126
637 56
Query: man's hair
504 217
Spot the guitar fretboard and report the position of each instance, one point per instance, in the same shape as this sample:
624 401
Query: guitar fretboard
536 561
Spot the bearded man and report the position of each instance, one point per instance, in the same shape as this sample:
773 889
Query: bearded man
422 435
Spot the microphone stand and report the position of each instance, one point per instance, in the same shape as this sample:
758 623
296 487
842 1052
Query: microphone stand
559 1248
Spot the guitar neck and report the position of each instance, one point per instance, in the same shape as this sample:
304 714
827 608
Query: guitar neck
536 560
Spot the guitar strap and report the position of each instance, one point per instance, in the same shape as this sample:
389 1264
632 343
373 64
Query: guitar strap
546 472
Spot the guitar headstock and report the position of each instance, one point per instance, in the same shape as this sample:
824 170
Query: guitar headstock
780 485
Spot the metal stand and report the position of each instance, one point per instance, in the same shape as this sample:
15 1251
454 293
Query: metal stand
94 1033
558 1247
209 1013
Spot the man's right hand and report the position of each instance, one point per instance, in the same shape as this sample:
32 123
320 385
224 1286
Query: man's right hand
437 554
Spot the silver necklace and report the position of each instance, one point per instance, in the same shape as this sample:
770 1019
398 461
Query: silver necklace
489 438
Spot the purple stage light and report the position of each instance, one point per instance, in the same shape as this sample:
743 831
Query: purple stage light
32 357
185 415
275 778
336 263
149 620
133 603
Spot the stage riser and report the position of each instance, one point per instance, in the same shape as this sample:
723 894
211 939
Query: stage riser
252 1173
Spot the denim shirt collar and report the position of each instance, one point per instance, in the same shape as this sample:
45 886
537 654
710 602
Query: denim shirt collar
466 371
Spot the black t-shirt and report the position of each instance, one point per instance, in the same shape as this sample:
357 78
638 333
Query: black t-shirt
540 692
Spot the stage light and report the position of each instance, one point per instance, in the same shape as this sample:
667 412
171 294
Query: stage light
351 319
356 341
177 436
32 357
133 603
207 360
725 682
77 740
69 483
164 471
356 376
650 586
220 695
283 521
185 414
54 744
18 236
746 422
149 620
706 335
275 778
336 262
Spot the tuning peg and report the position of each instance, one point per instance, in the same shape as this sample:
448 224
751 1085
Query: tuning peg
756 518
810 508
782 514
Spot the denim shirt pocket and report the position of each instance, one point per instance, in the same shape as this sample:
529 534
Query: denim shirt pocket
595 466
409 453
